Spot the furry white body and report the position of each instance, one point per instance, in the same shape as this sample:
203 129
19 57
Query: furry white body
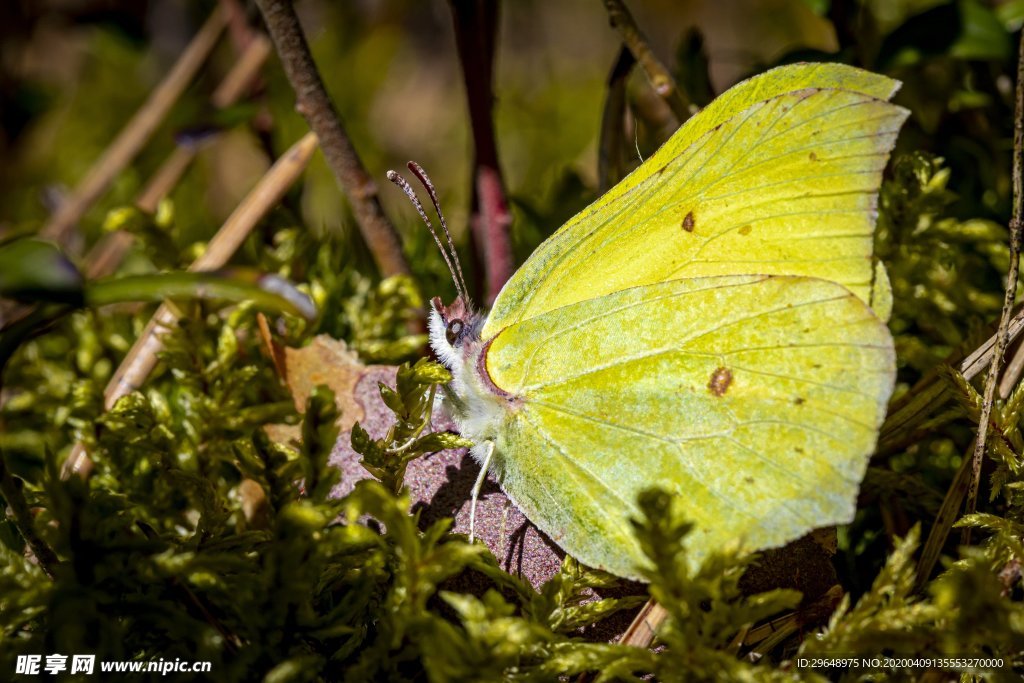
474 407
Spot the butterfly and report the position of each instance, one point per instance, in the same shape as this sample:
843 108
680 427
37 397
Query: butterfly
713 325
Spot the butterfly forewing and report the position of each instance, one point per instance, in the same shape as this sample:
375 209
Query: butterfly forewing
778 176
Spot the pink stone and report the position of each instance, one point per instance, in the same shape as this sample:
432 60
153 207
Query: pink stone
440 485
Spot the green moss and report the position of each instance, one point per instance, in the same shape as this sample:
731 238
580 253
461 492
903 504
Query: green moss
198 536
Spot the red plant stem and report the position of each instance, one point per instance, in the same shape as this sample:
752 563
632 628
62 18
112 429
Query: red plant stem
476 29
491 228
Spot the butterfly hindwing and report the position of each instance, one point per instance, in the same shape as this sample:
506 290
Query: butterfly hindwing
755 398
779 175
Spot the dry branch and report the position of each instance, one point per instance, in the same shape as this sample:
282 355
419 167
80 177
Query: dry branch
658 75
1012 373
948 514
315 105
907 414
967 479
611 157
242 75
645 625
1002 335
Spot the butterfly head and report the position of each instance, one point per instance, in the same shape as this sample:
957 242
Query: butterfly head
454 329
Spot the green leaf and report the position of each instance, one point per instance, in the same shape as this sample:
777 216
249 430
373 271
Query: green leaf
819 7
392 399
34 270
319 433
982 34
267 292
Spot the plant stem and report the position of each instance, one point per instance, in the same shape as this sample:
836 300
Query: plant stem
160 286
1002 334
239 30
22 518
658 75
315 105
944 520
240 78
906 415
476 30
645 625
142 357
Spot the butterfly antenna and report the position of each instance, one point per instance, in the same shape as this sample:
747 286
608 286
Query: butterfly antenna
411 194
425 180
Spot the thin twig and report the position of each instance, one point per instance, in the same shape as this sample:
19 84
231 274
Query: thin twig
658 75
1009 296
641 631
476 31
645 625
136 132
240 78
948 513
141 359
106 255
313 102
168 175
239 30
263 197
1012 373
931 392
14 497
770 635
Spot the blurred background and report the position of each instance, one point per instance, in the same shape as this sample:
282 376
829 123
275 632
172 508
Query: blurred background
73 71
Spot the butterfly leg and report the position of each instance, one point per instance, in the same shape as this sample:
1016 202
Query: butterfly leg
479 484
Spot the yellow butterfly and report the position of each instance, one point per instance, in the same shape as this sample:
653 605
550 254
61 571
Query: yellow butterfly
706 326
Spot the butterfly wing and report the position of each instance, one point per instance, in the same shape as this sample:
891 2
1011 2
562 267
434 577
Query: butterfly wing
757 399
779 175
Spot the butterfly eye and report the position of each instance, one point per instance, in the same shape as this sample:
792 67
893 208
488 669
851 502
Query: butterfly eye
454 330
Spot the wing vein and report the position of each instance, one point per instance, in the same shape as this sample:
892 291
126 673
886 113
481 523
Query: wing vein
682 460
679 348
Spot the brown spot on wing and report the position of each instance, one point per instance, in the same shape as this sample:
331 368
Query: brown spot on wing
720 381
812 156
689 222
745 230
